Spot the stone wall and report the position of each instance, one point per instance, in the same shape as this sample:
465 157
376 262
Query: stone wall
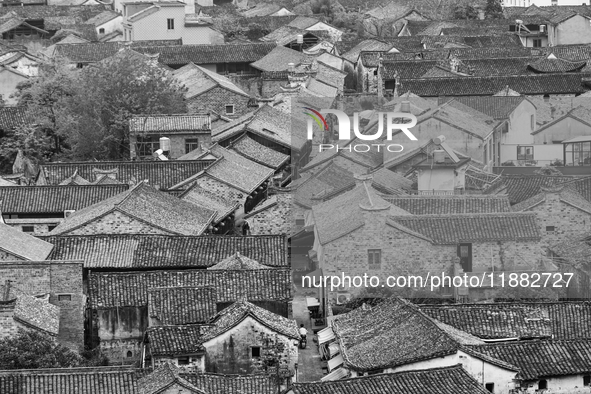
216 99
277 219
117 223
5 256
231 352
54 278
8 326
120 331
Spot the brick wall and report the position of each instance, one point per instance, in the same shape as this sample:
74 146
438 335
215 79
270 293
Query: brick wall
117 223
122 351
121 330
278 219
7 324
251 85
404 254
216 99
54 278
230 353
222 189
5 256
568 221
272 86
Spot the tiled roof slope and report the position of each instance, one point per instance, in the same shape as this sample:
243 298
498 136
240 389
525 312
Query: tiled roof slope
131 288
162 173
82 12
566 195
236 170
233 315
95 380
486 86
166 376
329 178
148 205
545 358
259 153
521 187
204 198
582 186
176 340
450 205
163 251
54 199
385 336
169 123
233 384
446 380
199 80
32 311
11 117
182 305
484 227
23 245
238 262
209 54
495 107
279 58
96 51
494 321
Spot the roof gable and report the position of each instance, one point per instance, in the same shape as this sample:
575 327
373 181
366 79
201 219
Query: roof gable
199 80
23 245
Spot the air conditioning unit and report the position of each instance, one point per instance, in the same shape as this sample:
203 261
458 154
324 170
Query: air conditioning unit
68 212
439 156
343 298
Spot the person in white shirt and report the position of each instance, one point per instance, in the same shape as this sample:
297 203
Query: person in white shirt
303 331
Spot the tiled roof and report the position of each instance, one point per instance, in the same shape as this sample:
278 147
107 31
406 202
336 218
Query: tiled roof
486 86
169 123
582 186
23 245
279 58
176 340
33 311
199 80
95 380
371 44
556 65
385 336
494 321
233 384
495 107
545 358
182 305
102 18
83 12
163 378
233 315
108 290
463 117
54 199
97 51
209 54
259 153
521 187
326 180
204 198
445 380
303 22
345 213
574 251
277 126
568 195
285 35
236 170
238 261
162 173
451 205
11 117
163 251
451 229
148 205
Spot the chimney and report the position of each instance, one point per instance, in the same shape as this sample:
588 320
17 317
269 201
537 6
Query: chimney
291 68
405 107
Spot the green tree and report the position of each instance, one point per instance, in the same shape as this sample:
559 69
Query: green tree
94 121
493 9
32 349
465 11
548 170
32 140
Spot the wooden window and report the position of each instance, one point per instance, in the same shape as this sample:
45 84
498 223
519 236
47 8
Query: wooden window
537 42
465 255
146 145
101 31
543 384
550 229
230 109
255 352
587 380
129 354
374 259
183 360
79 65
490 387
170 23
28 229
525 153
191 144
64 297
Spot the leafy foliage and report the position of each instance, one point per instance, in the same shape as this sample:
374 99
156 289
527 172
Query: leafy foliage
32 349
32 140
493 9
465 11
548 170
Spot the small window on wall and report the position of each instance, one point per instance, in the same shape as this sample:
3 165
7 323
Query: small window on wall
170 24
537 42
543 384
587 380
183 360
101 31
255 352
50 228
28 229
64 297
374 259
550 229
531 121
490 387
129 354
191 144
525 153
229 109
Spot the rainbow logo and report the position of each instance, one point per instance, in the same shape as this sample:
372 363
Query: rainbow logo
318 118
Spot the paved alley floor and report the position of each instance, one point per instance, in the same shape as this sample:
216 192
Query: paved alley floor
309 364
